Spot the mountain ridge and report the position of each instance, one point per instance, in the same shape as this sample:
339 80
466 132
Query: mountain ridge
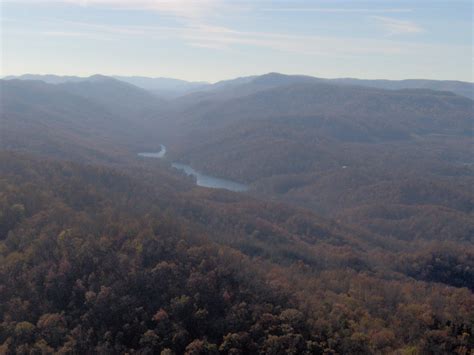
171 88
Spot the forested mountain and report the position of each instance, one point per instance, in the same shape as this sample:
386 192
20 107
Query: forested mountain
251 84
352 113
344 151
101 117
356 235
43 118
461 88
110 261
119 97
163 87
315 127
172 88
241 87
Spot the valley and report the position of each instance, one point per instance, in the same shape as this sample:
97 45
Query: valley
355 233
222 177
201 179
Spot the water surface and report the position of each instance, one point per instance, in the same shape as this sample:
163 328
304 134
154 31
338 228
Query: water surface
159 155
210 181
201 179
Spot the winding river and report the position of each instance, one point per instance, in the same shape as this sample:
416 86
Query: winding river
201 179
159 155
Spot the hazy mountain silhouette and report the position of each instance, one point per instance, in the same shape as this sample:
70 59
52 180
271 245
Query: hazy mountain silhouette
171 88
48 78
74 117
164 87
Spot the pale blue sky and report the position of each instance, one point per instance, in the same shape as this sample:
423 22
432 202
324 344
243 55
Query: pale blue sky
219 39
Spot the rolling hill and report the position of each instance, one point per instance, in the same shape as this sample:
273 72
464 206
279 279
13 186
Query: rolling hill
101 117
355 237
341 149
167 266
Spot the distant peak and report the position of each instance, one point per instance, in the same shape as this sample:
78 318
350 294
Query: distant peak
282 79
273 75
100 77
270 78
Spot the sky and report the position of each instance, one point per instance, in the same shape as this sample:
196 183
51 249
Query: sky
211 40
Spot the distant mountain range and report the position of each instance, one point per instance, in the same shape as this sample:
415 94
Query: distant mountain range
165 87
171 88
47 78
340 109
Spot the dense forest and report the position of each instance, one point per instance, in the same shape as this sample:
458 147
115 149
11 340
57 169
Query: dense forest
398 163
356 235
93 258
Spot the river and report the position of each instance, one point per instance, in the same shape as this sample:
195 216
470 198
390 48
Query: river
159 155
201 179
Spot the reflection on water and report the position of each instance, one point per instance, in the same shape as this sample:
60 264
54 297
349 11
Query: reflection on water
201 179
210 181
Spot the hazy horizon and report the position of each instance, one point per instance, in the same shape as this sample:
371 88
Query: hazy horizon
215 40
204 81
